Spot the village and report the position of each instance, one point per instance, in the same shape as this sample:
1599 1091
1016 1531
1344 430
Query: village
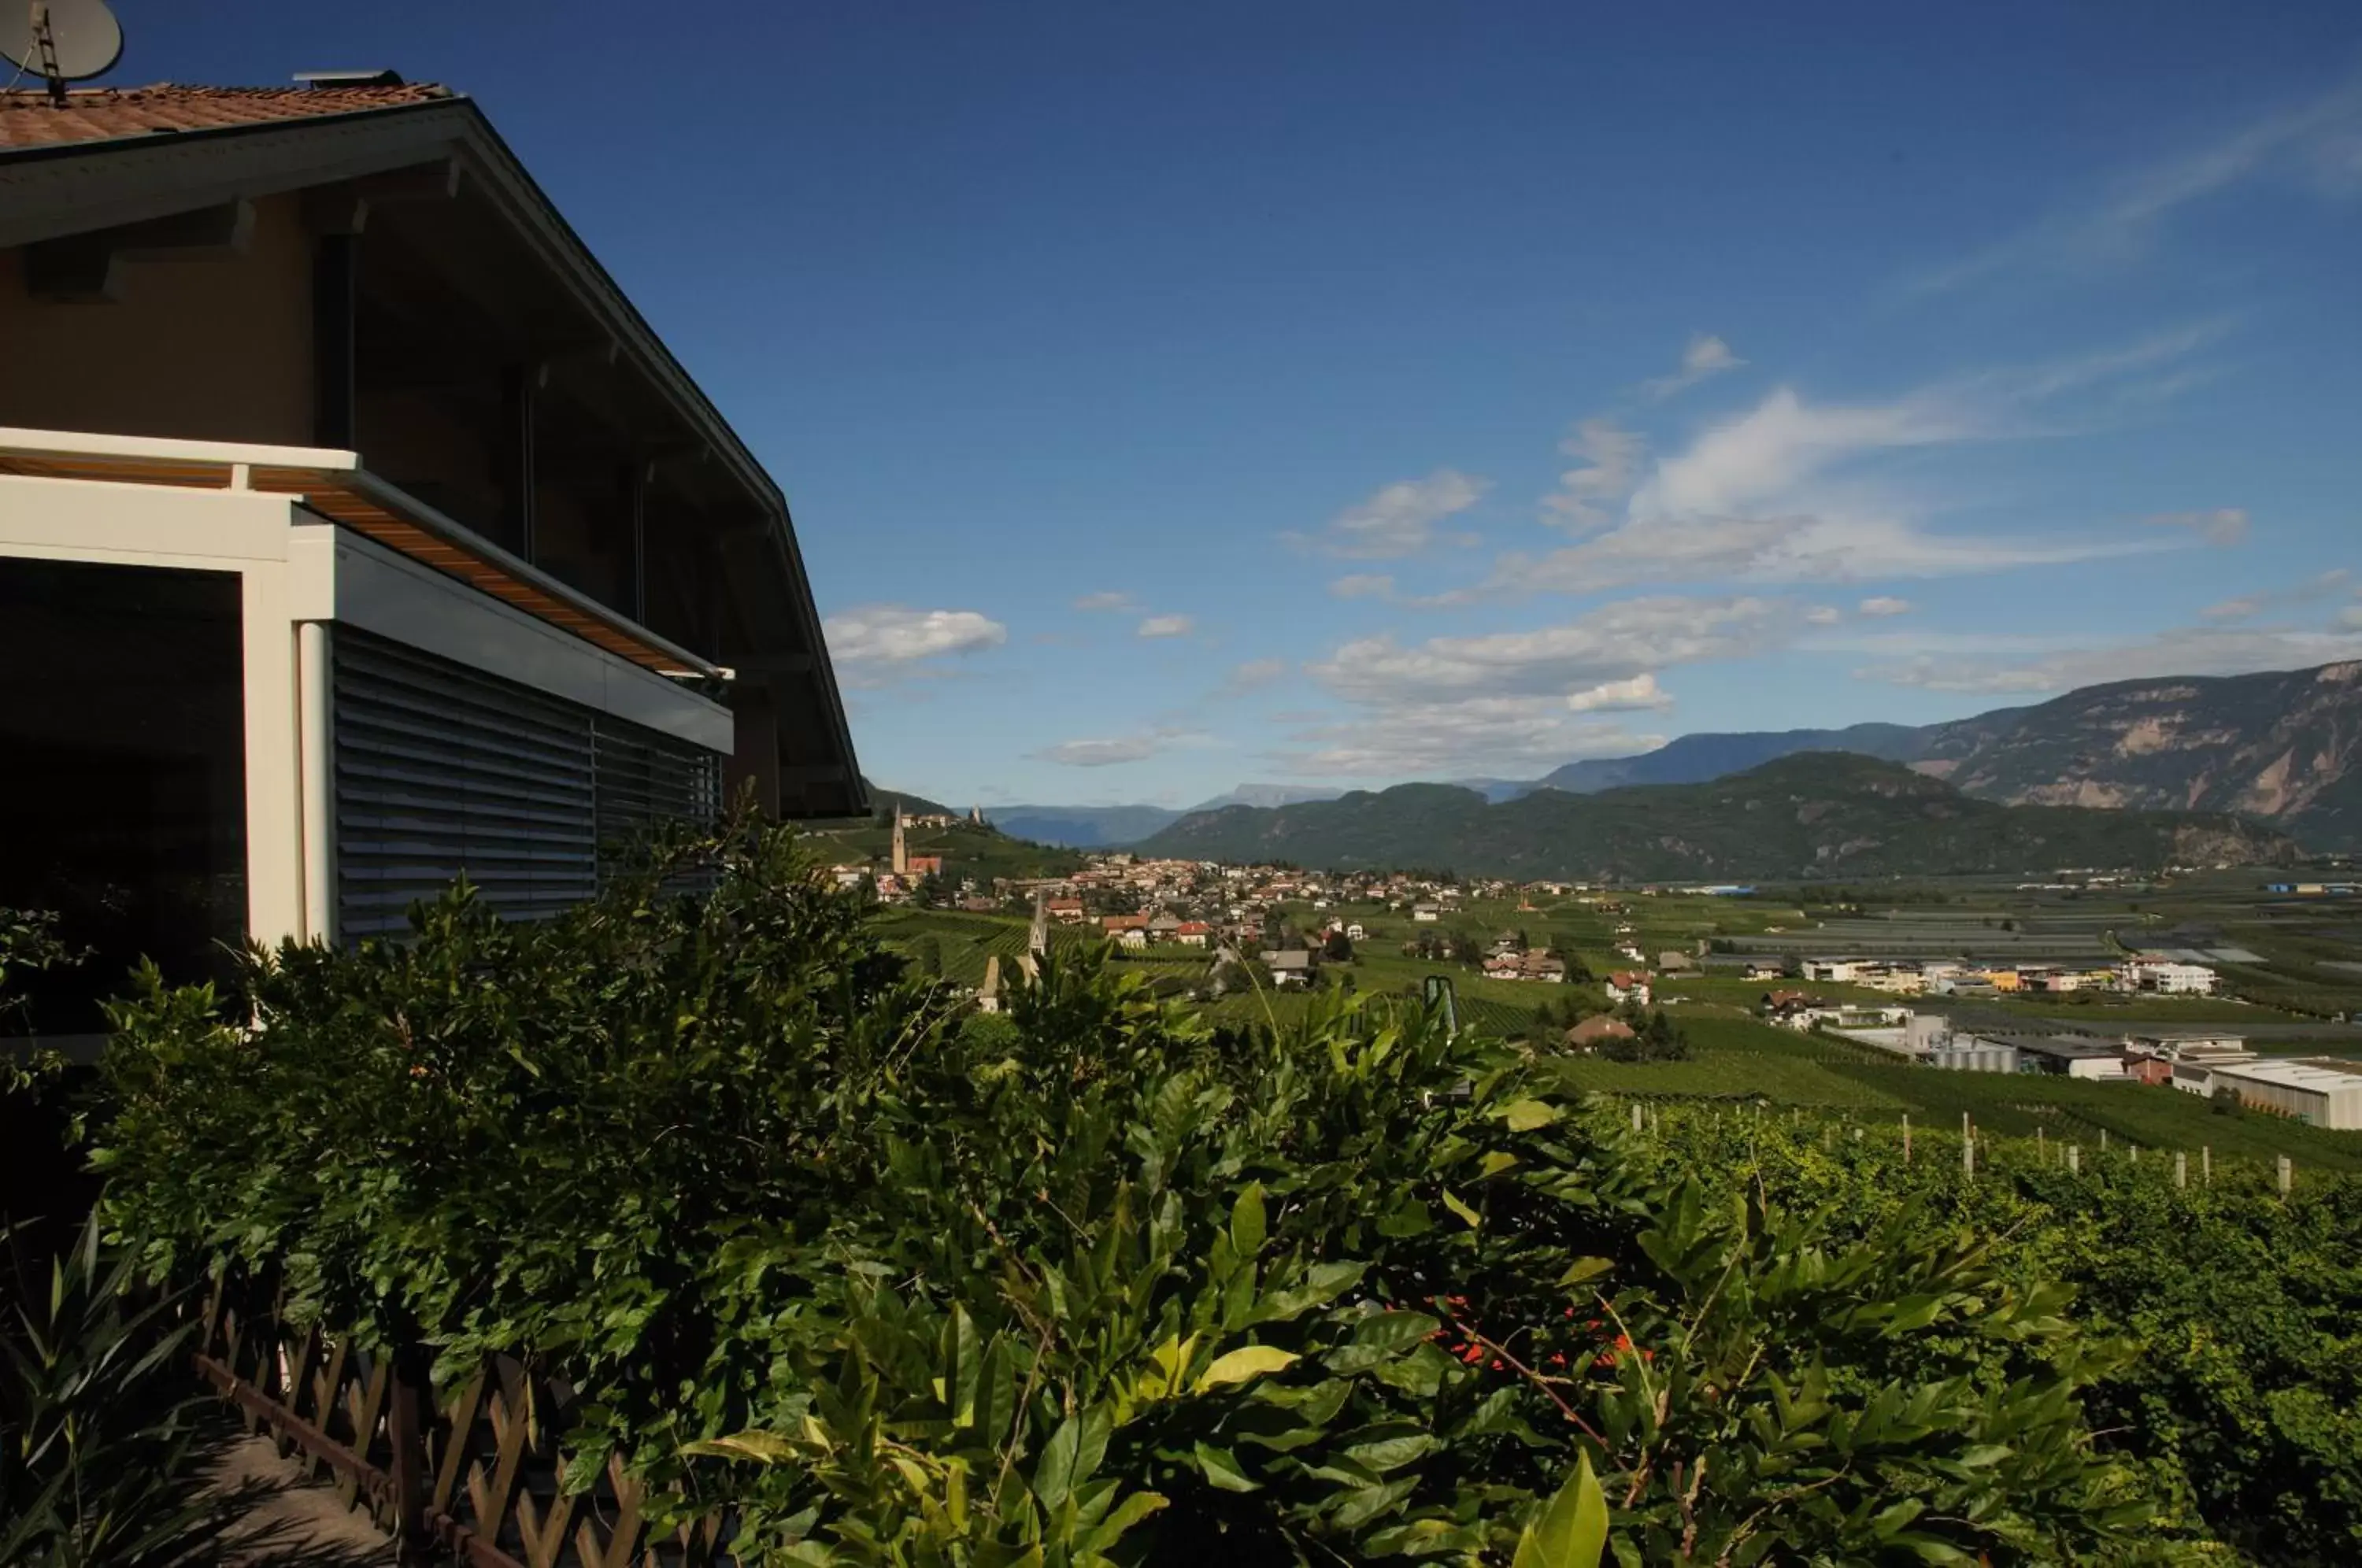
2055 989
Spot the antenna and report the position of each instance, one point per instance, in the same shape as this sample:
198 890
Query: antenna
69 40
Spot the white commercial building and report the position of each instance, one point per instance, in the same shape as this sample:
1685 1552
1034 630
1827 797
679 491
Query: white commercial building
2171 976
2322 1090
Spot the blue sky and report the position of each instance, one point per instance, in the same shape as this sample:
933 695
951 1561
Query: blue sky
1171 396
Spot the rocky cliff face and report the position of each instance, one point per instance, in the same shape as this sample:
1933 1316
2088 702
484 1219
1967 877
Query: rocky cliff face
2284 747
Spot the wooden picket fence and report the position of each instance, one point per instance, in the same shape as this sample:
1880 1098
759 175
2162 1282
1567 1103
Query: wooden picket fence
476 1472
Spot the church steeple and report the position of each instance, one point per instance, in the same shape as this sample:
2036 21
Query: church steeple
901 844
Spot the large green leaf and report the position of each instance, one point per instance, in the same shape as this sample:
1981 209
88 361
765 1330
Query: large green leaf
1572 1531
1242 1366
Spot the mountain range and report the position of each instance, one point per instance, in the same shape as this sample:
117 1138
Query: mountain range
2283 747
1815 814
1112 827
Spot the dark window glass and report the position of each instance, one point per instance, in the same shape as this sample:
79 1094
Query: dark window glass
121 774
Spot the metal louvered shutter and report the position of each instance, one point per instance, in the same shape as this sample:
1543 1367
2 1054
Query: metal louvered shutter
443 771
644 780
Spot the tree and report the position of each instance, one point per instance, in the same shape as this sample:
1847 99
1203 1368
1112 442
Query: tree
1655 1038
1338 949
1578 973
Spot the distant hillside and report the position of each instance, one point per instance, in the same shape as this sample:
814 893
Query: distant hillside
2285 747
1810 814
1084 827
882 802
1118 827
1693 759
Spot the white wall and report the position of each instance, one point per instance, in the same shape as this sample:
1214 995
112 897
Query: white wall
202 530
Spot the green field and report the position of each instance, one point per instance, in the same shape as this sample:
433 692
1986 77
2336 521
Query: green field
1736 1059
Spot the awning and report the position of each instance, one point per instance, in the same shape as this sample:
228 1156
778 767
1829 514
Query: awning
334 484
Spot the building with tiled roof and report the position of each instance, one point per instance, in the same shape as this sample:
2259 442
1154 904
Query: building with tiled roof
27 118
357 532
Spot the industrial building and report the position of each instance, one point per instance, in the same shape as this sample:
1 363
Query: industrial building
2322 1090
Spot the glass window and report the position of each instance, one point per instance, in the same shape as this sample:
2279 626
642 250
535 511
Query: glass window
121 774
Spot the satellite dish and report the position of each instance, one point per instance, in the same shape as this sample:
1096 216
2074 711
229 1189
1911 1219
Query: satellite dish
66 41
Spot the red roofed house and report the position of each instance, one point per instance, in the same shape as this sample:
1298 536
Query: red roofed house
355 532
1194 933
1628 986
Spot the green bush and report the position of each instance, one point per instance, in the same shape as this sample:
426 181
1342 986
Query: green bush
1096 1282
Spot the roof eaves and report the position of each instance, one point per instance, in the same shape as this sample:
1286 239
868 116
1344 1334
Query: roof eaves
34 152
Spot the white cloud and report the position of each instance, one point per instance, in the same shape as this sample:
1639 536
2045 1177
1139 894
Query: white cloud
1881 604
1823 616
1793 491
1167 626
1764 455
1106 601
2313 146
1615 642
2311 591
1827 547
1101 752
1621 696
1513 700
1611 458
875 643
2185 650
2222 525
1508 736
1705 356
1401 519
1253 676
1363 585
1115 749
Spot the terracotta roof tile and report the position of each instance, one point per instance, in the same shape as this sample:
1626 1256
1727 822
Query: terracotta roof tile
27 118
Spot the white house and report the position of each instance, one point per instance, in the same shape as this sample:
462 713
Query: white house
2171 976
355 532
1628 986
